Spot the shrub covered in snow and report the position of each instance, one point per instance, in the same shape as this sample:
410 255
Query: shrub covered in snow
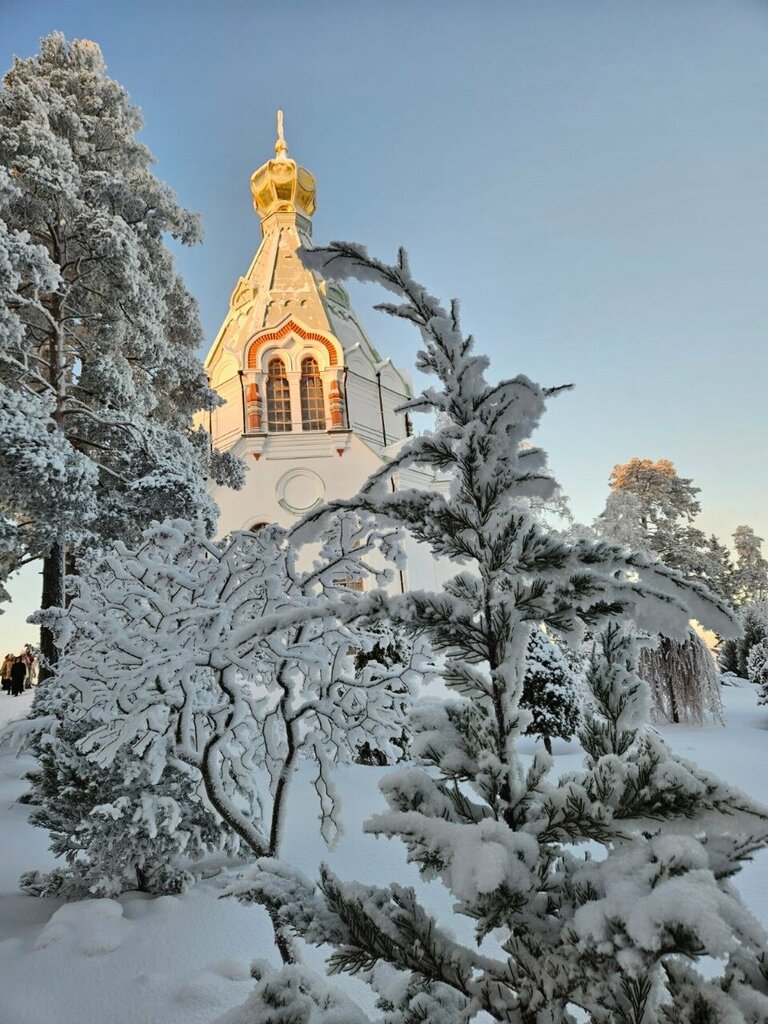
293 995
227 661
550 691
754 629
757 668
388 648
118 827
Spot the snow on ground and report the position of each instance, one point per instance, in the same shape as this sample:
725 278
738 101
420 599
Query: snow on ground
184 959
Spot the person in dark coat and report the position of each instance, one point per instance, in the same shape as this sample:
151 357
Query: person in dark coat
18 675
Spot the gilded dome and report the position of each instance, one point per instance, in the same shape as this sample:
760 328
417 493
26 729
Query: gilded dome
280 185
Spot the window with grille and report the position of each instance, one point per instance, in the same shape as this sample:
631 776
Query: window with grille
351 583
278 397
312 405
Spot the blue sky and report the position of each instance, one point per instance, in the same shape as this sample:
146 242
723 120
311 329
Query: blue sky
588 177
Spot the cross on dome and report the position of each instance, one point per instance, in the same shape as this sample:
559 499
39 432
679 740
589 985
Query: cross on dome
281 147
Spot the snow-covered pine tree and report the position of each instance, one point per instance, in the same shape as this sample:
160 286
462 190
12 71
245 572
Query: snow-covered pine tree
99 377
117 828
550 691
728 656
612 934
753 619
721 575
230 658
757 669
622 522
683 680
651 508
751 568
388 648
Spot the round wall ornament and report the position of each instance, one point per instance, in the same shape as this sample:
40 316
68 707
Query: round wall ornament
299 490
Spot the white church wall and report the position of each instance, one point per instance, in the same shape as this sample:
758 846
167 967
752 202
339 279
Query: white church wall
291 475
292 312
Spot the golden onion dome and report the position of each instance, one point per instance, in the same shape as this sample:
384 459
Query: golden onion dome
280 185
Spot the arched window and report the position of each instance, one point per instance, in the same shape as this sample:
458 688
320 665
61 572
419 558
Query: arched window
311 388
278 397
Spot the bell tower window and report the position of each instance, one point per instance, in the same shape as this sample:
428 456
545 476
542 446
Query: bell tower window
311 390
278 397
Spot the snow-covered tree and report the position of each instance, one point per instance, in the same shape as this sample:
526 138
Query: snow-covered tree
621 521
751 567
609 934
728 656
683 680
99 377
757 668
117 828
664 496
753 619
651 508
720 573
230 658
550 691
388 648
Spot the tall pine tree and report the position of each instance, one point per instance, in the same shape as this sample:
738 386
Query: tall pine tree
751 567
99 378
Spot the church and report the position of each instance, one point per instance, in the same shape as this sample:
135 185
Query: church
309 403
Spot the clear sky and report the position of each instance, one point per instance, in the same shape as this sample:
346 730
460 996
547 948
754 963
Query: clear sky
589 177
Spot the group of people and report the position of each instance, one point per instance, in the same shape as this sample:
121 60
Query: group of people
19 671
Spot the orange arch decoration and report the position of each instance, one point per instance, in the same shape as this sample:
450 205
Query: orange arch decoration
289 327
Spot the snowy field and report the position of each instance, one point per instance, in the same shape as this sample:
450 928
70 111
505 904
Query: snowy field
185 959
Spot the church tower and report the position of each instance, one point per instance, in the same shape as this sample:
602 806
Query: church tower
309 402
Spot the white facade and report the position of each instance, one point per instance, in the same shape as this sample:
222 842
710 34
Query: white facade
309 403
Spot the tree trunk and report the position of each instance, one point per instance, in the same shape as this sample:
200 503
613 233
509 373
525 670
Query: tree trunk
281 790
250 836
52 597
666 654
54 567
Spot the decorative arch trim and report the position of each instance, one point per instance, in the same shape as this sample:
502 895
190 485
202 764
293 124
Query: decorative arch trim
290 326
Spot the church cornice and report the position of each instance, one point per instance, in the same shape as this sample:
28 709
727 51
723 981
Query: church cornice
291 326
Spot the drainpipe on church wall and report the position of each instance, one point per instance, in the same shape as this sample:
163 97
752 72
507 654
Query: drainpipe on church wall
210 422
381 410
242 398
346 400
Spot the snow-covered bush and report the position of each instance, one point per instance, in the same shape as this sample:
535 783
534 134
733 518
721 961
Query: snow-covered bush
119 830
550 691
227 657
753 619
118 827
610 934
757 667
293 995
388 648
728 656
